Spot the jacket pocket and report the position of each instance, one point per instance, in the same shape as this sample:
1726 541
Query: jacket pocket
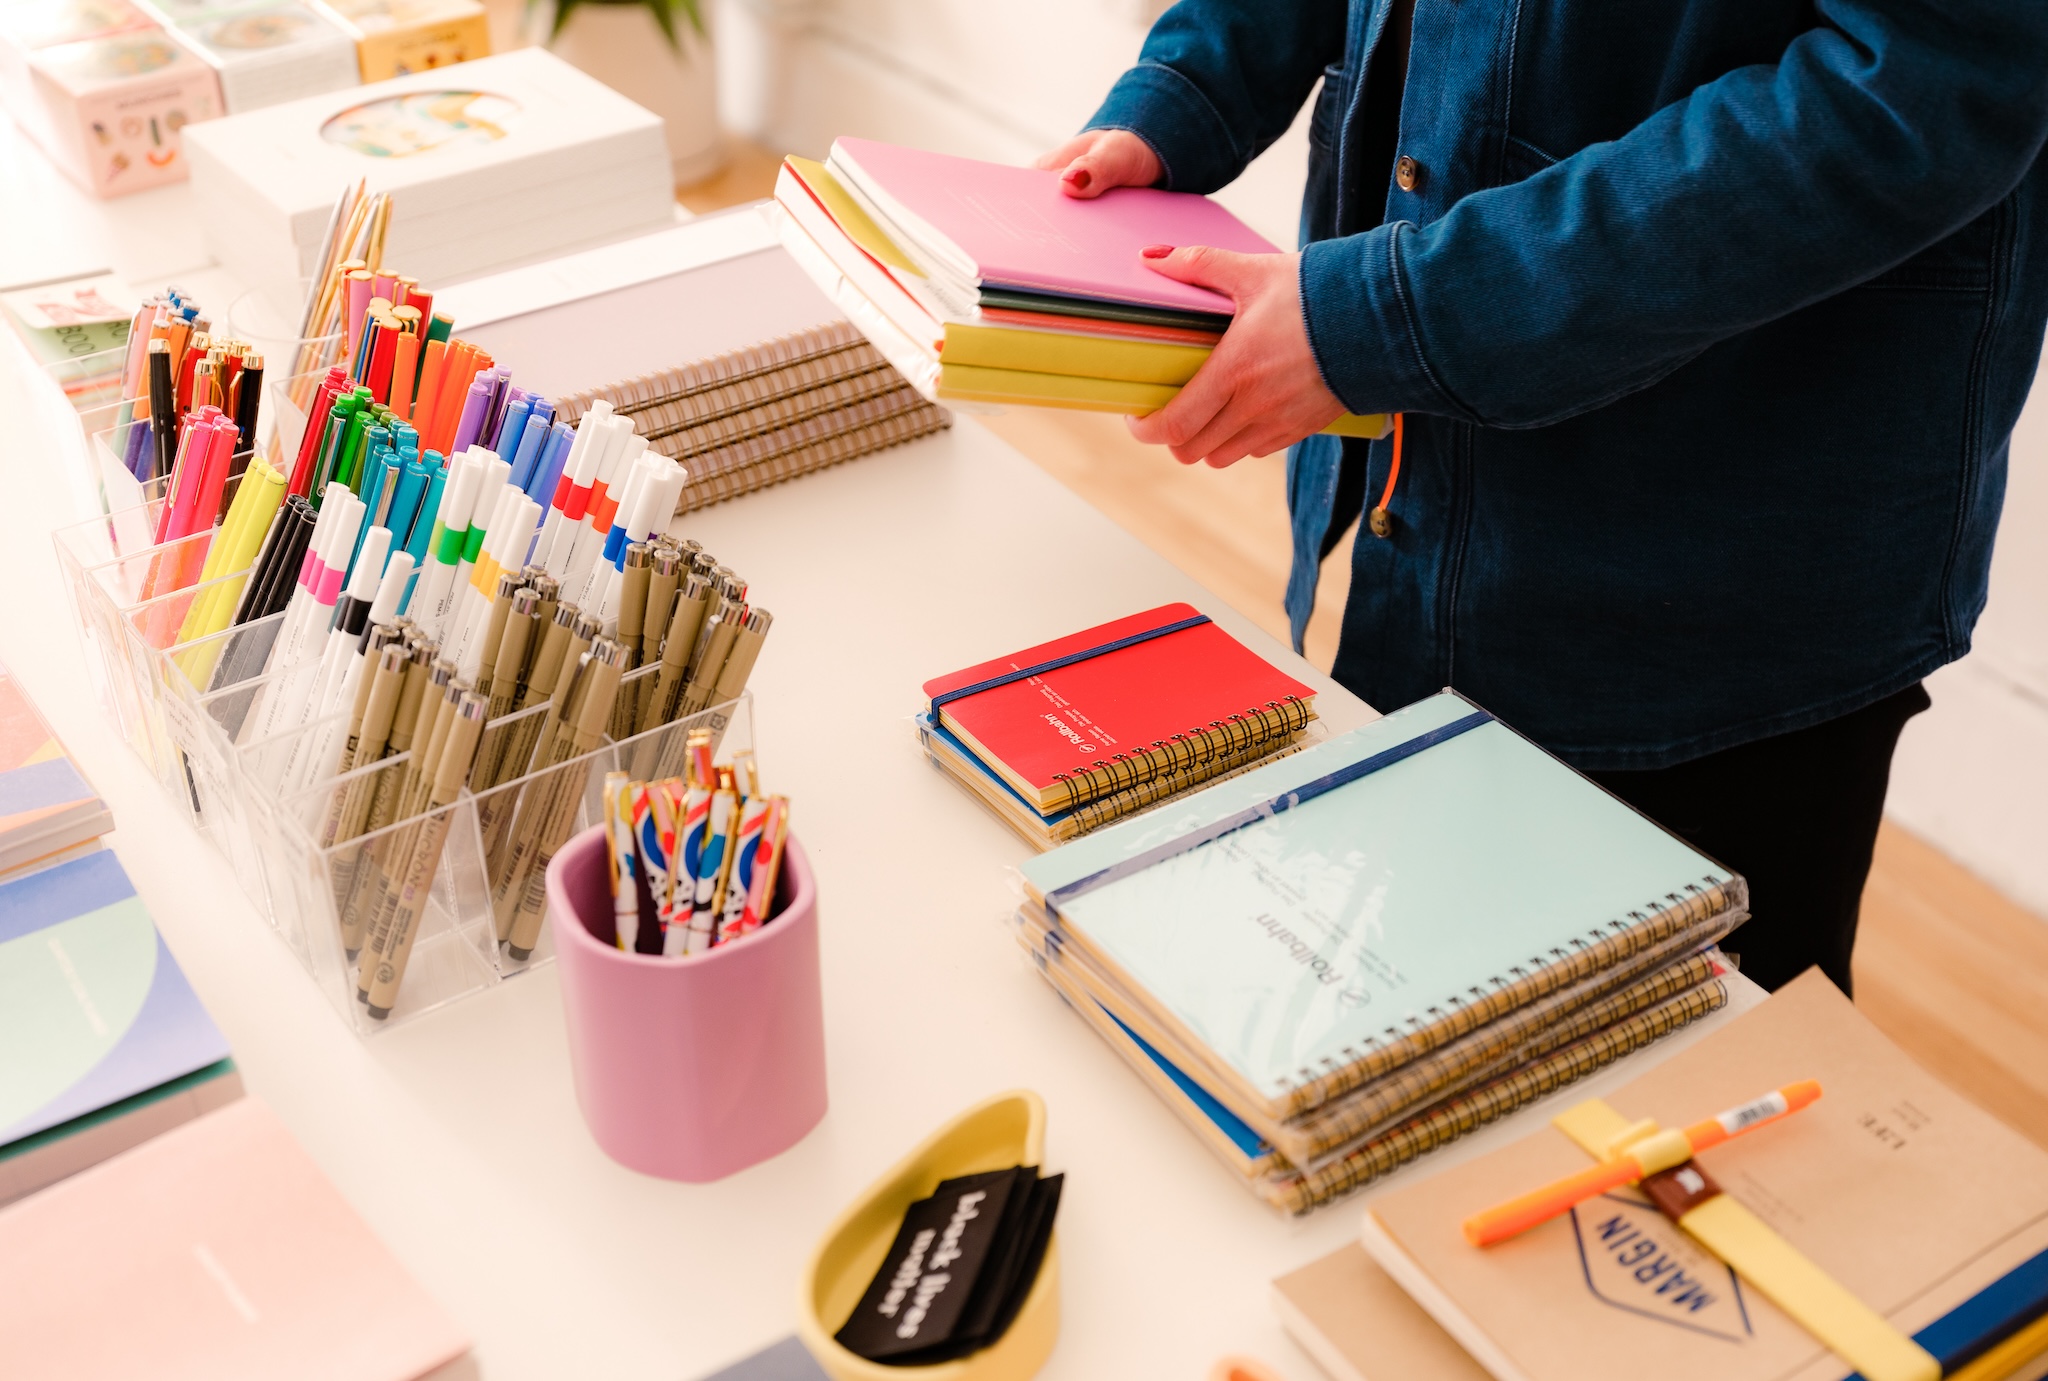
1328 112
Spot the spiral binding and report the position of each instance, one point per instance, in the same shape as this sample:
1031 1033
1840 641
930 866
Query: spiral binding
1186 752
813 455
1460 1013
1469 1111
749 418
1214 768
794 351
1530 1033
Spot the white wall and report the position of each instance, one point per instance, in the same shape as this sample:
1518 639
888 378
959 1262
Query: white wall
1005 81
998 81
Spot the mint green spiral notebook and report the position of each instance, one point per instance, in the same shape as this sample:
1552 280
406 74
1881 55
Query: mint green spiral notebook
1319 922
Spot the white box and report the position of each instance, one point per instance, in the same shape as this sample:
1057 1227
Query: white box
264 53
489 164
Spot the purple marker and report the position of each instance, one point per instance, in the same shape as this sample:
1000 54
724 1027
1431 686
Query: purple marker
472 424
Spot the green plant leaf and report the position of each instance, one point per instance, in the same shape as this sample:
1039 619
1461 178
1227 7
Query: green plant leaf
663 11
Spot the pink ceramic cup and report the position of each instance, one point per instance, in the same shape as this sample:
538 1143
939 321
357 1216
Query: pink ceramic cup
690 1069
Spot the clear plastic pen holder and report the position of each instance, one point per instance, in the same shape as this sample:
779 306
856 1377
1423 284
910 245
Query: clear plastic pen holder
485 917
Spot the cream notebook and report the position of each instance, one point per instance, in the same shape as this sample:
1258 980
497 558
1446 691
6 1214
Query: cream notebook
217 1251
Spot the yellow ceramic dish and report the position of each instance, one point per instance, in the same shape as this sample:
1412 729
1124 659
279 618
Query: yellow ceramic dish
1008 1129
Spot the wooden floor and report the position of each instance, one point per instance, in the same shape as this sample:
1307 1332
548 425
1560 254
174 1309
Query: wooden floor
1946 966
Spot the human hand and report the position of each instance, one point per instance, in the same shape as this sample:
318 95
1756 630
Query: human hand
1100 159
1260 390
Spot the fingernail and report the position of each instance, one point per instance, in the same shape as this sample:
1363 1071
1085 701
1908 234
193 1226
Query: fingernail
1077 178
1156 251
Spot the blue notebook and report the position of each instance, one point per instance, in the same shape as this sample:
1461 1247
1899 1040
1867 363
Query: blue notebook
1322 920
95 1015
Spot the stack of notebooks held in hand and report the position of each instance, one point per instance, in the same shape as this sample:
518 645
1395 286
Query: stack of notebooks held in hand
1928 1211
1339 961
1064 737
985 283
755 416
105 1043
217 1250
47 807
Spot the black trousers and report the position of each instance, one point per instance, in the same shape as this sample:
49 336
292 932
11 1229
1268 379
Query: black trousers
1797 816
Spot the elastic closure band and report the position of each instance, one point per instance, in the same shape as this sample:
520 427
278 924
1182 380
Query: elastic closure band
1056 663
1307 791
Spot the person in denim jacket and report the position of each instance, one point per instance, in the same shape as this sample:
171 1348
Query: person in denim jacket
1709 321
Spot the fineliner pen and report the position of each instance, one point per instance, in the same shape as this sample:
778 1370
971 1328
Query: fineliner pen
585 539
611 540
480 552
547 474
572 490
444 544
476 404
505 439
526 454
489 493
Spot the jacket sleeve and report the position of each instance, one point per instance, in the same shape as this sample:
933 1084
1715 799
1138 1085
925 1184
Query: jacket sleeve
1219 80
1883 129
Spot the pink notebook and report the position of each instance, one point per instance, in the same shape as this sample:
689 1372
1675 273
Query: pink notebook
1014 228
217 1250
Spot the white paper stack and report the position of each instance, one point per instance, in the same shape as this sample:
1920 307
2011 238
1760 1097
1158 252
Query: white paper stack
264 53
489 164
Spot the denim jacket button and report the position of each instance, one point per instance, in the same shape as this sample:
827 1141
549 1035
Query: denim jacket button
1407 173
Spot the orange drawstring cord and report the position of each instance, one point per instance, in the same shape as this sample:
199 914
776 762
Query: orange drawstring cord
1380 520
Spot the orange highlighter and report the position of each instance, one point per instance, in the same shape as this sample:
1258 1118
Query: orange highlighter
1636 1160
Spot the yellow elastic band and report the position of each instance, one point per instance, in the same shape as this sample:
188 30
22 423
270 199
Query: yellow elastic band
1851 1329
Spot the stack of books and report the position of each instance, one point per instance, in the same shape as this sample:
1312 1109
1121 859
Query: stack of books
748 418
1065 737
986 284
217 1250
461 150
48 810
1926 1210
1339 961
263 51
107 1043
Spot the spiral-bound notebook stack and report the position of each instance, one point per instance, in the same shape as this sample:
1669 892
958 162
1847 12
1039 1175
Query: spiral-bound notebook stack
1064 737
1340 961
755 416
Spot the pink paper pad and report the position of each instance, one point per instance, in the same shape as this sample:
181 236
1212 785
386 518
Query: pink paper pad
1025 233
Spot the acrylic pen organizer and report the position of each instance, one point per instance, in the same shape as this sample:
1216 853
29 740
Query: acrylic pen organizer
187 708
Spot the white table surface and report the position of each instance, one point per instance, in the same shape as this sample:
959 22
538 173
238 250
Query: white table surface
457 1136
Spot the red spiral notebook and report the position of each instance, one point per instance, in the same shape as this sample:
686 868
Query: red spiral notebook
1125 700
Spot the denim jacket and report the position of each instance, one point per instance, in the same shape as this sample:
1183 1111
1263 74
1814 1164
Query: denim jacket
1711 319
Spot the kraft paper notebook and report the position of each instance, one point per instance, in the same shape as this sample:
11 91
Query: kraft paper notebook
1315 924
1359 1325
106 1043
217 1251
1893 1184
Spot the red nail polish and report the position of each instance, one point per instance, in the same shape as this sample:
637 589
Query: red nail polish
1078 179
1156 251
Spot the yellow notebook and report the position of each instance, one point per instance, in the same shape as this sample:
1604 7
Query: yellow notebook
1099 372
